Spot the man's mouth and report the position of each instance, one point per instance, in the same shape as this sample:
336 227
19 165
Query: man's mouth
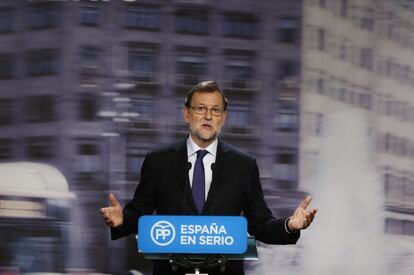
206 126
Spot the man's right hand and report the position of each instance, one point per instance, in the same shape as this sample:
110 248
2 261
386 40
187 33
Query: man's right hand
112 214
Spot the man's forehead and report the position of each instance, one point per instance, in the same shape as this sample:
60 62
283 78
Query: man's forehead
208 97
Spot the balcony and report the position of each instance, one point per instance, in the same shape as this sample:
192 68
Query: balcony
142 125
241 84
240 132
194 2
88 75
188 80
144 78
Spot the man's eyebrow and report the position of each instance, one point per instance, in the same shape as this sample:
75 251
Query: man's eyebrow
211 106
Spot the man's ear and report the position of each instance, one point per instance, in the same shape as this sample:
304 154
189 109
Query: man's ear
224 117
186 115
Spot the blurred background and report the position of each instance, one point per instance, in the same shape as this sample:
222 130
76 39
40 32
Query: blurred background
320 91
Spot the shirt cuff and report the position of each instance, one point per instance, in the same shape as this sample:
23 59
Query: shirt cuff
287 227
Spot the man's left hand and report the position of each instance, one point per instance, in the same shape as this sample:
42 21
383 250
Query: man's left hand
302 218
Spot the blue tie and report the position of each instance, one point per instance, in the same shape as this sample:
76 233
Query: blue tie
198 187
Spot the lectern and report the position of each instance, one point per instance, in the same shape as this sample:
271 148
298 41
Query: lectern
195 242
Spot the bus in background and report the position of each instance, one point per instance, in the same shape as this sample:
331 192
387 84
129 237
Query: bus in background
35 211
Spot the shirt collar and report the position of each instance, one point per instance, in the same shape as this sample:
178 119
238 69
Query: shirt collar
192 147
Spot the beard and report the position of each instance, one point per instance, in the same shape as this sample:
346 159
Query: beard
202 136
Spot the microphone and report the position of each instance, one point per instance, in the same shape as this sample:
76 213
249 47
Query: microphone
187 182
213 169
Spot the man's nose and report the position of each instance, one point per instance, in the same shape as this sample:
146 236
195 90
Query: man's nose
209 114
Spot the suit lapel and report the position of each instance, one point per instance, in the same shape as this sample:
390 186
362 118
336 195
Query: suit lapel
179 160
223 159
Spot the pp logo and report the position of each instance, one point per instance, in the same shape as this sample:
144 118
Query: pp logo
162 233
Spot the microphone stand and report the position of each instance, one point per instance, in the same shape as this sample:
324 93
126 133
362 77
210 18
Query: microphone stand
184 261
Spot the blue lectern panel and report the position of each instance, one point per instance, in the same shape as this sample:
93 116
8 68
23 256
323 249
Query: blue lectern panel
192 234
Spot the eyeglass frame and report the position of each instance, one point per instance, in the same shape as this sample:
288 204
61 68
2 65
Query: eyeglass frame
198 110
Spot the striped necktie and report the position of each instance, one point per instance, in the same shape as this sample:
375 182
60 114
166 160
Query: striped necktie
198 188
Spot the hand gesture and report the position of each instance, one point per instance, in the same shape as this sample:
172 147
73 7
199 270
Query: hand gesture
112 214
302 218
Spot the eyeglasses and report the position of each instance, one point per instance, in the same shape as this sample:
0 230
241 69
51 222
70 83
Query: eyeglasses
202 110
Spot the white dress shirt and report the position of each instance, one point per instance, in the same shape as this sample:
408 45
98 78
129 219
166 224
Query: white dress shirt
208 160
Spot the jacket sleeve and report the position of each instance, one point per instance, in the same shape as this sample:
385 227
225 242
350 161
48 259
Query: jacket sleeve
261 222
143 202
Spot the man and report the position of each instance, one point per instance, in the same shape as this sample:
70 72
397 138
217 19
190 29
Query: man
228 183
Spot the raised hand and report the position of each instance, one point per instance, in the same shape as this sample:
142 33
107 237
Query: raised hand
112 215
302 218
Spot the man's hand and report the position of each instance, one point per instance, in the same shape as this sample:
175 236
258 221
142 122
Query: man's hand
302 218
112 214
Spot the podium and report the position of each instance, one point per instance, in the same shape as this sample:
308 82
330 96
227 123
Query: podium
195 242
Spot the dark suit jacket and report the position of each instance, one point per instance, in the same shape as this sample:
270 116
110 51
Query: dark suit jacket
235 190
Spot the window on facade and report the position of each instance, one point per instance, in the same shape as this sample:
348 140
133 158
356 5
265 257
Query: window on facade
340 93
367 20
320 85
287 68
135 158
388 142
408 228
240 116
6 65
191 64
332 86
144 107
88 159
7 109
344 8
389 68
145 17
288 30
398 226
321 39
88 108
240 25
366 58
343 50
322 3
390 29
40 109
88 149
191 71
238 72
286 158
90 15
239 68
89 65
365 100
409 187
315 121
351 96
286 120
192 22
89 54
406 72
395 145
6 20
6 148
42 16
285 166
40 148
142 60
42 62
393 226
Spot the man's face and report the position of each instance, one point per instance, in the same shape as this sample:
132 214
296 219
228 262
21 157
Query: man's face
204 128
